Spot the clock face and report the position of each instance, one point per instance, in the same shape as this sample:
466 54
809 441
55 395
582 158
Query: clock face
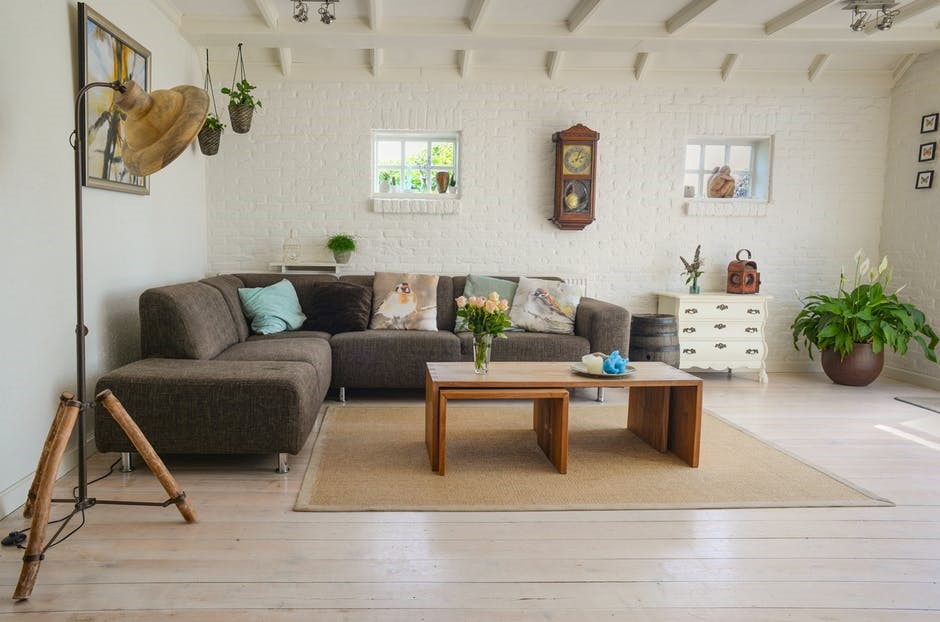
577 159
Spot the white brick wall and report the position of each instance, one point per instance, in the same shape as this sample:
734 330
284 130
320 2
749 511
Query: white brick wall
909 233
306 164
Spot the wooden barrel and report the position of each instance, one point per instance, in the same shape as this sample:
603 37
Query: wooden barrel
654 337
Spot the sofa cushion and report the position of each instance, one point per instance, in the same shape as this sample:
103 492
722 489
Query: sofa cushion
316 352
272 309
477 285
228 285
185 321
339 308
389 358
519 346
304 284
404 301
446 314
545 306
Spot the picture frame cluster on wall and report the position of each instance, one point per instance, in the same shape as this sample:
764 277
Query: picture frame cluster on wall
927 151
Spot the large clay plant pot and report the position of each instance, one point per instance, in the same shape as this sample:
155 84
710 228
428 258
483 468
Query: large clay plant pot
858 369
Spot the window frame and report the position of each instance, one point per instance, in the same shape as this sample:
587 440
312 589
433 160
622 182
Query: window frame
404 170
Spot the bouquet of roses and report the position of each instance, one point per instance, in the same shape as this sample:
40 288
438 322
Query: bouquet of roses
485 316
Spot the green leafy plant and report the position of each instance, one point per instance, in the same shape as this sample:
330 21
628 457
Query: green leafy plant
866 313
341 243
385 176
213 122
693 270
241 95
453 181
485 316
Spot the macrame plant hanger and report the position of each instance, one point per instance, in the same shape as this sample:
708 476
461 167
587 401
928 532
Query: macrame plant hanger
240 114
209 136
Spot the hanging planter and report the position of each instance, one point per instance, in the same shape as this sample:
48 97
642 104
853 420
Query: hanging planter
211 133
241 105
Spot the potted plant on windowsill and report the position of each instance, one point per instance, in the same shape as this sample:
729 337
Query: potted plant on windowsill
853 328
210 135
342 246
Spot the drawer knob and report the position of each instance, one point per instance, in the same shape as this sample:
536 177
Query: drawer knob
720 346
750 329
691 311
753 311
722 307
721 326
690 329
752 351
688 350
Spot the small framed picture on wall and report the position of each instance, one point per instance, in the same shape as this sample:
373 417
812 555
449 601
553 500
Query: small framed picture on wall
928 151
924 180
928 123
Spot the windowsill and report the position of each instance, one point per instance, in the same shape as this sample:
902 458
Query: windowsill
726 207
415 203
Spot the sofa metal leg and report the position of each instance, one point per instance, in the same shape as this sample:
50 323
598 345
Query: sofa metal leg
282 463
342 394
127 462
601 394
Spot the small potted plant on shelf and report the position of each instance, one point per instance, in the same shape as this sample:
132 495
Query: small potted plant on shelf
693 270
241 105
853 328
342 246
384 178
210 135
453 185
393 184
486 318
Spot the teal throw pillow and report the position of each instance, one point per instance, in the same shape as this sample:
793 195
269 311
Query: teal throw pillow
482 286
272 309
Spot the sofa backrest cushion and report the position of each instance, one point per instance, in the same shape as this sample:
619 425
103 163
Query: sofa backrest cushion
340 307
304 284
186 321
460 282
228 285
446 310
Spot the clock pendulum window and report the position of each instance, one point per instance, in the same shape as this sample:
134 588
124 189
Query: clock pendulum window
575 176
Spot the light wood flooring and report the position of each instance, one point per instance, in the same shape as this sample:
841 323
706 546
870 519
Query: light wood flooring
252 558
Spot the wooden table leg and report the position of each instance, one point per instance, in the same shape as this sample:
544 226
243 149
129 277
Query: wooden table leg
441 435
550 417
685 422
648 415
431 420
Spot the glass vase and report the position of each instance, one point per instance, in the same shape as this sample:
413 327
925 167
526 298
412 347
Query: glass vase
693 288
482 345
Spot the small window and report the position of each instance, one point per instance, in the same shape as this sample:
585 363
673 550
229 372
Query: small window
409 162
747 159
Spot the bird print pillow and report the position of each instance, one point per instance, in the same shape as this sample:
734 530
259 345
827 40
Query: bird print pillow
404 301
545 306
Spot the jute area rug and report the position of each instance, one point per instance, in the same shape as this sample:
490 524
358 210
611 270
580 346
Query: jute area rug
374 458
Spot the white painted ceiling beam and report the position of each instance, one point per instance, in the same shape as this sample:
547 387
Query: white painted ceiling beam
581 13
477 13
376 60
902 67
375 14
169 9
464 58
915 8
795 14
818 66
268 12
731 64
687 13
554 63
641 65
285 58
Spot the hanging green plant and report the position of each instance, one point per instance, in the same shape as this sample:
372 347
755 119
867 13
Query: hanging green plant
242 104
211 133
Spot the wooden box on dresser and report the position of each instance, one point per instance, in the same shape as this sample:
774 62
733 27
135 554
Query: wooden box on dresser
719 331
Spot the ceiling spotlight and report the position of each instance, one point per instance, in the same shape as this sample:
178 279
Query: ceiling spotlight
882 14
886 21
859 19
300 11
327 10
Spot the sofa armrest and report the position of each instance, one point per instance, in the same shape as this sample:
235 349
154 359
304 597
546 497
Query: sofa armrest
605 325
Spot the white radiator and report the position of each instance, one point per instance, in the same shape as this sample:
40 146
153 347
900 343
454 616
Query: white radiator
580 280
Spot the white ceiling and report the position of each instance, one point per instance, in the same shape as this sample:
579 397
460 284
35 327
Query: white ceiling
702 41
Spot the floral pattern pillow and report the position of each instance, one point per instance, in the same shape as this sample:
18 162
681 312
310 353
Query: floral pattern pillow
545 306
404 301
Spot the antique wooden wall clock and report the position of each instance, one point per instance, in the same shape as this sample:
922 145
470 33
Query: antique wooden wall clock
575 176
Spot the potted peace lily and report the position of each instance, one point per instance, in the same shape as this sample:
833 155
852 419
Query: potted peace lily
486 318
853 328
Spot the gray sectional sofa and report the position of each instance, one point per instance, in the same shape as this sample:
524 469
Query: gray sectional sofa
207 385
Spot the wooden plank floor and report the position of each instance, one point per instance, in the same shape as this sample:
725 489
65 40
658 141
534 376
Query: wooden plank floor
250 557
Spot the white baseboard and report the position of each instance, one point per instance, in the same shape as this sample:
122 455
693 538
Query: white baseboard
14 496
912 377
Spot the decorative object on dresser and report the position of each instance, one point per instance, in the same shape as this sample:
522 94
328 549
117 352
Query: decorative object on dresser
654 337
342 246
852 328
211 133
158 127
575 177
242 104
693 270
743 277
719 331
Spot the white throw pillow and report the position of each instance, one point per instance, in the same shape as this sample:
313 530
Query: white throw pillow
545 306
404 301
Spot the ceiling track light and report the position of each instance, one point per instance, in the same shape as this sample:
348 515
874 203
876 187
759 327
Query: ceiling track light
327 10
882 14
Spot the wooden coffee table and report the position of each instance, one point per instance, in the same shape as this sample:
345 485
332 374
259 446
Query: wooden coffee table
664 409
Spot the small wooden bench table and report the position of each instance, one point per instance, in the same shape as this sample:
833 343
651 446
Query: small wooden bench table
664 409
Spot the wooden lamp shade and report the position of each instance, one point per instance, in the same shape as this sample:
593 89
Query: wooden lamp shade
160 125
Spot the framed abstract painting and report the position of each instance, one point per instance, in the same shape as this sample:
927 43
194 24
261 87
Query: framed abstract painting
107 53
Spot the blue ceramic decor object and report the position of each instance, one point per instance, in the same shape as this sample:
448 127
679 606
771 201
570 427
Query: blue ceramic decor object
615 364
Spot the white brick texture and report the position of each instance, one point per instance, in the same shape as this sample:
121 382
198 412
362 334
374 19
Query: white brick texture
306 165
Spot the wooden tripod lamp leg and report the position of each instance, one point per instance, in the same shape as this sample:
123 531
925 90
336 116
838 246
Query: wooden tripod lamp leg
42 505
44 457
147 452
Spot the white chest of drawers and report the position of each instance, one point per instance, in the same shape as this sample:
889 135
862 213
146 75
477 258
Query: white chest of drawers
719 331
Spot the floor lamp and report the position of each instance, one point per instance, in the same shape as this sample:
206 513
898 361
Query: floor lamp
159 127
